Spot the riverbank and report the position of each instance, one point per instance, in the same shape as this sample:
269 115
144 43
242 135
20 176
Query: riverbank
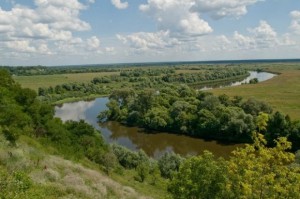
281 92
76 99
218 83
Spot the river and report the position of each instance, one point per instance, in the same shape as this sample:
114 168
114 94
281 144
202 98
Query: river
154 143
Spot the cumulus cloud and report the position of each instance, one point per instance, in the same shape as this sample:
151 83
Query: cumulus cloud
120 5
261 37
176 17
243 42
295 24
223 8
21 46
264 35
52 19
45 29
93 43
144 41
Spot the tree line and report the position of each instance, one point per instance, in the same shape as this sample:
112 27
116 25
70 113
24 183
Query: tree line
139 79
254 171
183 110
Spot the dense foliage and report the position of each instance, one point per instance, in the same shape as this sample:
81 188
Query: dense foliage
141 78
23 114
181 109
252 172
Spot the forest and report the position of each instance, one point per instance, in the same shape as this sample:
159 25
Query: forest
140 78
267 167
182 110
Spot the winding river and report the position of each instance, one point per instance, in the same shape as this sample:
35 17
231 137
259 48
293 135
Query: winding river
154 143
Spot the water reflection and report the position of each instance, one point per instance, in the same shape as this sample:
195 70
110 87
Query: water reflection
86 110
261 76
157 143
154 143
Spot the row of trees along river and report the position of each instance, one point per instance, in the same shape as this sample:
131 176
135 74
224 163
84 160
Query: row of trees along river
180 110
252 172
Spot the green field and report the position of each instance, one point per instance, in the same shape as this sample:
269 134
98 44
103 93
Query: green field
282 91
34 82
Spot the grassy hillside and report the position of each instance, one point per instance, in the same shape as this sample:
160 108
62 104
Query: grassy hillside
51 176
41 157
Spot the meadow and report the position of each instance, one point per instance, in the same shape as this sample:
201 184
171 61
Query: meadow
281 92
37 81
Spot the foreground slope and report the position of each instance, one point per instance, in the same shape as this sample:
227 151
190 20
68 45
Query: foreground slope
28 172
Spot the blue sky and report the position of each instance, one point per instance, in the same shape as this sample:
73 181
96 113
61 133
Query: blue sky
56 32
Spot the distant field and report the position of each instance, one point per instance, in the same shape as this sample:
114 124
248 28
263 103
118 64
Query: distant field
34 82
282 91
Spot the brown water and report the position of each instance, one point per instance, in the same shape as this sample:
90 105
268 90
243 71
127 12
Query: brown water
154 143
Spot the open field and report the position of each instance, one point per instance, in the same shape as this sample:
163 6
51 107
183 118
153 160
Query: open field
34 82
282 92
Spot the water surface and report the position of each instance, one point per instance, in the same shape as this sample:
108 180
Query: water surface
261 76
154 143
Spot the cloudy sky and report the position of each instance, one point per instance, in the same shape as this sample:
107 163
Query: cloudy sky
60 32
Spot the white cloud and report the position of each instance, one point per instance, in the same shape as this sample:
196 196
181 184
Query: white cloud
45 29
93 43
295 24
120 5
264 35
243 42
21 46
176 17
261 37
109 49
52 19
70 4
91 1
223 8
145 41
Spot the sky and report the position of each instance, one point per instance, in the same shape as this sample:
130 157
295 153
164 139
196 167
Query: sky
74 32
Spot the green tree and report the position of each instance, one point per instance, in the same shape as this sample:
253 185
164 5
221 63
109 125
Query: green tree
260 172
157 118
199 177
262 122
142 171
278 126
168 164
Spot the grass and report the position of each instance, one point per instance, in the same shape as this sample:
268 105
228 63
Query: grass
55 177
156 191
281 92
76 99
34 82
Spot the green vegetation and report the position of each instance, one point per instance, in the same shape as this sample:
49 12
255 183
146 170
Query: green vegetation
42 157
182 110
44 81
24 165
57 87
281 92
252 172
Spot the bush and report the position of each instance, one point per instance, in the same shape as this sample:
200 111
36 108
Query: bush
168 164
